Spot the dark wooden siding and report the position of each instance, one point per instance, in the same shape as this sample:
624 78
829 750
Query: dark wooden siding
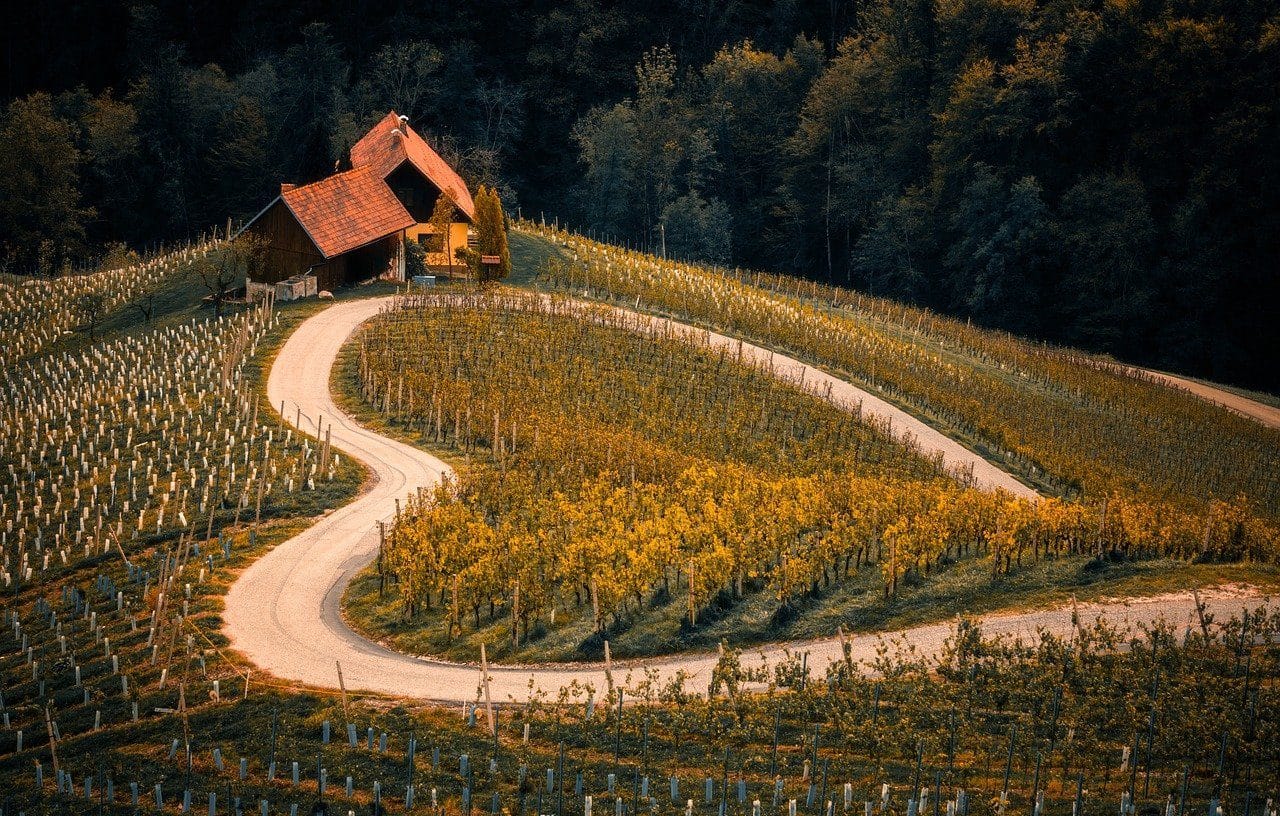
331 274
358 265
416 193
290 252
289 249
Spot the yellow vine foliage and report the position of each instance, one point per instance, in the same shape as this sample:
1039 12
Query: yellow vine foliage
608 464
1077 424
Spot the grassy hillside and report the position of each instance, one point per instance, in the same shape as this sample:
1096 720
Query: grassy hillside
116 684
1066 421
640 490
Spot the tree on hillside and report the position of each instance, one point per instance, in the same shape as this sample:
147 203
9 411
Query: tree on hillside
91 308
111 154
606 140
491 234
220 270
400 76
502 104
1002 243
1107 234
752 100
314 78
441 220
415 259
697 229
39 186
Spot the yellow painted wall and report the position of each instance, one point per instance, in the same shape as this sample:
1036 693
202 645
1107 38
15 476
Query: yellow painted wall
457 238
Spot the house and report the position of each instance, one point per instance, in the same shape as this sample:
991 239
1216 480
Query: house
351 226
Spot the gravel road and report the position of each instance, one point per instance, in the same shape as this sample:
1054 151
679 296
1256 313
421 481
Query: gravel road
283 611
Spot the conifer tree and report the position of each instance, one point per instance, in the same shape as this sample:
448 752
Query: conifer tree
491 234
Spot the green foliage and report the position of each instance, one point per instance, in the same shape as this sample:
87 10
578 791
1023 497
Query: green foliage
403 76
696 229
1107 234
834 141
228 265
118 256
442 215
491 234
112 156
606 138
1003 244
41 217
415 259
1023 165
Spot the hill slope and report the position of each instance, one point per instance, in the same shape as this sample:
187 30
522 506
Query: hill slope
1069 422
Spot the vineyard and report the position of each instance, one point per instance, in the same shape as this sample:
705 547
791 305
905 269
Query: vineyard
36 314
1177 721
140 442
124 464
1072 423
140 474
624 485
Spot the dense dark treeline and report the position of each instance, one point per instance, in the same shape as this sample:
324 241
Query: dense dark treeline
1098 173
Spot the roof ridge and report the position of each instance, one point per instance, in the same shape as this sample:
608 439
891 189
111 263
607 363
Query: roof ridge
380 150
330 177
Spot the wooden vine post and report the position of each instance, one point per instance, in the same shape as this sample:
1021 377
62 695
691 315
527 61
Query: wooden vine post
53 741
515 617
693 606
343 687
382 549
488 699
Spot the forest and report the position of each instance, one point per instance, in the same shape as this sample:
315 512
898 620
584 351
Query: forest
1100 173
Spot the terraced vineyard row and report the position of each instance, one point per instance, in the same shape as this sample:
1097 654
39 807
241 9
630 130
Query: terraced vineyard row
621 471
1178 720
1066 420
36 313
139 441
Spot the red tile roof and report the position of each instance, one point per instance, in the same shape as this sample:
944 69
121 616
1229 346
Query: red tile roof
384 150
357 207
347 210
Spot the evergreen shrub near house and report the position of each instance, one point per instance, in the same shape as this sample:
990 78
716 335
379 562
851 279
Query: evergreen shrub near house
415 259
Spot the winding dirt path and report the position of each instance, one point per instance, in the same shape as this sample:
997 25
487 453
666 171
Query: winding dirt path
283 612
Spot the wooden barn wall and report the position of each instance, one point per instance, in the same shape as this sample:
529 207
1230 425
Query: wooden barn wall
332 274
289 249
369 261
